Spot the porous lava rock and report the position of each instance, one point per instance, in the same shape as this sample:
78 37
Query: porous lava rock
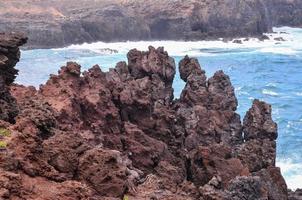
121 135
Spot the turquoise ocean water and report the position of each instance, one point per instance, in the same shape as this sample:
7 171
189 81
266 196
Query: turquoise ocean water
269 70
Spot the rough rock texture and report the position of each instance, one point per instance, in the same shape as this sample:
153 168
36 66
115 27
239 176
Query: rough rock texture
9 56
49 23
121 135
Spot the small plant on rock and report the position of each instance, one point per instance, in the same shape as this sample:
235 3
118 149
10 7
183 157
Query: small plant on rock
125 197
4 132
3 144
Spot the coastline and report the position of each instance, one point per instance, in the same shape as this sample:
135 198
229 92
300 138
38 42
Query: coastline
72 22
120 134
85 54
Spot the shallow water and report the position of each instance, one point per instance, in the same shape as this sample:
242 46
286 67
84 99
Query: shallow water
270 71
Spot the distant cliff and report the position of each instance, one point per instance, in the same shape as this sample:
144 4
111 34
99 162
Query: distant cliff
285 12
54 23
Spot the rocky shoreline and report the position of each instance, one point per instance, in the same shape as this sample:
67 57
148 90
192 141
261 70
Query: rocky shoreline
121 134
54 23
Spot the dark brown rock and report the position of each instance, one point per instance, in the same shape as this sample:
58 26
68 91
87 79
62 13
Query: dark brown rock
188 66
9 56
296 195
263 37
222 93
272 179
258 123
258 154
105 171
153 62
8 108
208 162
237 41
247 188
280 39
207 107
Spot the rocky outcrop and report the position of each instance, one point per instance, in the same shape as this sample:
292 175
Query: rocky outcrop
9 56
121 135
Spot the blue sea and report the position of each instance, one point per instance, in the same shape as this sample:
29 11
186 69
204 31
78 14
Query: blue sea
270 70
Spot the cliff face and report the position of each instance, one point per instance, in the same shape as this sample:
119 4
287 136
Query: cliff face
285 12
57 23
121 134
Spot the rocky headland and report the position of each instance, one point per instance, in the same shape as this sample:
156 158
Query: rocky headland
120 134
58 23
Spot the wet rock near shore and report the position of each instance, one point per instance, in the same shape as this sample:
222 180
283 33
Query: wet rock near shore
295 195
121 135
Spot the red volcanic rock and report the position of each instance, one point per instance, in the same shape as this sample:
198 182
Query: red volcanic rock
208 162
91 110
195 91
222 93
144 151
260 132
10 185
258 123
190 66
208 107
272 179
120 134
104 171
258 154
155 61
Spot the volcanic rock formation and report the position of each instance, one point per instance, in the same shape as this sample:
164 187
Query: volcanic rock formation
121 134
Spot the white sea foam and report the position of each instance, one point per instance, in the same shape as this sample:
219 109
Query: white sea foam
292 173
269 92
271 85
207 48
278 50
299 94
